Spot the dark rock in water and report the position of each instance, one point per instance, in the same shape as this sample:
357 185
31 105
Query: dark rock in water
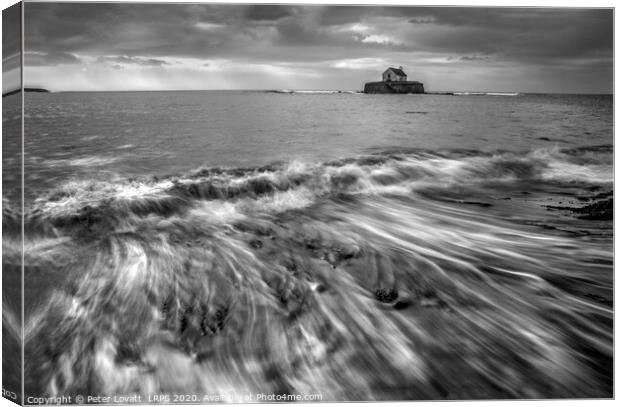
256 244
311 244
404 300
483 204
86 217
601 210
603 195
386 294
401 87
318 287
349 252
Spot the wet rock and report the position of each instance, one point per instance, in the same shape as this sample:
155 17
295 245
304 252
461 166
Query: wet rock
86 217
405 299
482 204
256 244
318 287
386 294
602 195
312 244
349 252
601 210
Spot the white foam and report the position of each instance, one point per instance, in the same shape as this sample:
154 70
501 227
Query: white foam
567 172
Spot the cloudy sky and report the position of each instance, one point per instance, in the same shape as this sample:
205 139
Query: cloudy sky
10 48
208 46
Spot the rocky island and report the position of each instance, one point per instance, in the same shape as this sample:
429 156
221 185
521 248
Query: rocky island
394 81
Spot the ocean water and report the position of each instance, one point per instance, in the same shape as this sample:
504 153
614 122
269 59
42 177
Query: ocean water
351 246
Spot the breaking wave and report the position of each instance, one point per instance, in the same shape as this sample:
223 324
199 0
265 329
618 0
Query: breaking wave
486 93
367 278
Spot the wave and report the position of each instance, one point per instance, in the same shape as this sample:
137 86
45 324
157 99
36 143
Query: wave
298 184
312 92
486 93
359 278
91 161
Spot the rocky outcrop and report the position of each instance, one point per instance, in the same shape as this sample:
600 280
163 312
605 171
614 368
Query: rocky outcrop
13 92
394 87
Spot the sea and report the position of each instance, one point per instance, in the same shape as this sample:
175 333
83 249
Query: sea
310 246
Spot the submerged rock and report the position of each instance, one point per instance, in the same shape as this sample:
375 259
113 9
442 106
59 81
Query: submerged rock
256 244
601 210
386 294
405 299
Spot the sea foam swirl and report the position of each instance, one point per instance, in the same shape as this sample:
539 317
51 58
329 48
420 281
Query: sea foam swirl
395 275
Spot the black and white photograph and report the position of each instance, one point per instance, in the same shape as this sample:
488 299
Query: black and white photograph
211 202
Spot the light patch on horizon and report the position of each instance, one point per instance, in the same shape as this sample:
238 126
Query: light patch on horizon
179 73
208 26
361 63
11 80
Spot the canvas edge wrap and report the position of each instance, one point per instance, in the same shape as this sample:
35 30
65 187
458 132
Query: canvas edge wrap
13 144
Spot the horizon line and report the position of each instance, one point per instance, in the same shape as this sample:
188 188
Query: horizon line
33 89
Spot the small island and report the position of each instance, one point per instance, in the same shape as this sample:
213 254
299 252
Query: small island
394 81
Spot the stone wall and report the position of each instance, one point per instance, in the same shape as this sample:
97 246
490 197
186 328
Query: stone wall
394 87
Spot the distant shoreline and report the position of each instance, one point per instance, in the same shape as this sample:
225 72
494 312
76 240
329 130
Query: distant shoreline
40 90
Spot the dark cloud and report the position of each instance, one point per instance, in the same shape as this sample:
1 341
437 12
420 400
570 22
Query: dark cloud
268 13
473 58
49 58
124 59
11 37
468 58
208 30
339 15
526 35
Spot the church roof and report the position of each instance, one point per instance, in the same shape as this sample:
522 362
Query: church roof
398 71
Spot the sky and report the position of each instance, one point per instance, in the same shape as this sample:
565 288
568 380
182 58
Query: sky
11 39
123 46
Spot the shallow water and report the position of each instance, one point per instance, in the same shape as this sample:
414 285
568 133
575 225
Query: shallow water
353 246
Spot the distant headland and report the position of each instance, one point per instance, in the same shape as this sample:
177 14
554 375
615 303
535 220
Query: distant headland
40 90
